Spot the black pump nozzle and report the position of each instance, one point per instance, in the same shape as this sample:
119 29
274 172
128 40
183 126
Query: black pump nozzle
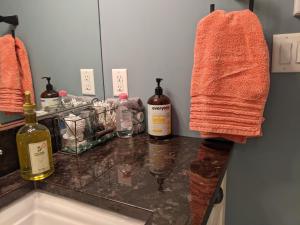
49 86
158 89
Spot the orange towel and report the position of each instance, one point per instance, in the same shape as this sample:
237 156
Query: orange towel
230 80
15 74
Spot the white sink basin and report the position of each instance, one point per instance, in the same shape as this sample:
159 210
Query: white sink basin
38 208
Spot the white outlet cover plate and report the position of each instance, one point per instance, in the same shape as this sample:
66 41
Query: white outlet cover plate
119 81
286 53
87 81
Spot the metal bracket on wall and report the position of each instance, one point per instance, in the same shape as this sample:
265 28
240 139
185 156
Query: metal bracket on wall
12 20
219 196
251 6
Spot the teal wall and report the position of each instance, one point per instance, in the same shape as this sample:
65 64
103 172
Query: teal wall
62 36
156 38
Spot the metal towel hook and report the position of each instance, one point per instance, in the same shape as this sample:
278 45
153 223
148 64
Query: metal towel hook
251 6
12 20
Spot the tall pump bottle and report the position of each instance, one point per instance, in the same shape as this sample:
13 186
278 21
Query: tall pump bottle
159 114
50 97
34 146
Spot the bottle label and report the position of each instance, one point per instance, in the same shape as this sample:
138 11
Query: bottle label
126 120
49 103
159 120
39 159
124 116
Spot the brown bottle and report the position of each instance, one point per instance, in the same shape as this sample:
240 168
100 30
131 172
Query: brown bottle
159 114
50 97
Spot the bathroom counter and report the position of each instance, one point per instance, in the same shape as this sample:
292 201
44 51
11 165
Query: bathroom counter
12 187
176 181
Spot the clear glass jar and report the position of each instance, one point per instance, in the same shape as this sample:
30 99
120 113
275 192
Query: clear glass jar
124 117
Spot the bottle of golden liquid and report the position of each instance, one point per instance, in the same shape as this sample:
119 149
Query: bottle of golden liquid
34 145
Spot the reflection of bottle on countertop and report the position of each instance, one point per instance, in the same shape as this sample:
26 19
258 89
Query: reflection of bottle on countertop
50 97
159 114
161 160
161 157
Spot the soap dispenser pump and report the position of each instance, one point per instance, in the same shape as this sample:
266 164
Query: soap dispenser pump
159 114
158 89
50 97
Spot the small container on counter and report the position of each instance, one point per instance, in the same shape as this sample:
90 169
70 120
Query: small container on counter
124 118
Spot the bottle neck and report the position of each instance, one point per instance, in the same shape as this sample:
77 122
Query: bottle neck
30 118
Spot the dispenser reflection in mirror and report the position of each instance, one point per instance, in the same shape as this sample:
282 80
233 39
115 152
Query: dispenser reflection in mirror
59 54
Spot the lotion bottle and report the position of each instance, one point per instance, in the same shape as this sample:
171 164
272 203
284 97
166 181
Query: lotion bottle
50 97
159 114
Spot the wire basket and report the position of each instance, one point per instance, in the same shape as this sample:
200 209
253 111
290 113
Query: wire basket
83 129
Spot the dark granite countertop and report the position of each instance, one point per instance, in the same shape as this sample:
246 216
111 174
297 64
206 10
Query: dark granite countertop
12 187
177 180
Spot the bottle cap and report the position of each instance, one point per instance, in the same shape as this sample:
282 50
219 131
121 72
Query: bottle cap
28 106
158 89
62 93
49 86
123 96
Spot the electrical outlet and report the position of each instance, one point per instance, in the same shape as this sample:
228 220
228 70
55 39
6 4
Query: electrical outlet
87 81
119 79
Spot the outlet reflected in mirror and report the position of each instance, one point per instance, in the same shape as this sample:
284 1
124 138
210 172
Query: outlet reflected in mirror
61 38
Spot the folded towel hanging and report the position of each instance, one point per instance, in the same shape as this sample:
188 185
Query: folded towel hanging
230 80
15 74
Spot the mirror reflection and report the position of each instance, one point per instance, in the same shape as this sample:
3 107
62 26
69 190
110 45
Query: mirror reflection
58 42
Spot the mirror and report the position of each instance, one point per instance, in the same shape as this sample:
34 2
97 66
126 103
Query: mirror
61 37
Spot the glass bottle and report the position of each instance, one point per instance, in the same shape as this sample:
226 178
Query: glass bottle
34 145
124 117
